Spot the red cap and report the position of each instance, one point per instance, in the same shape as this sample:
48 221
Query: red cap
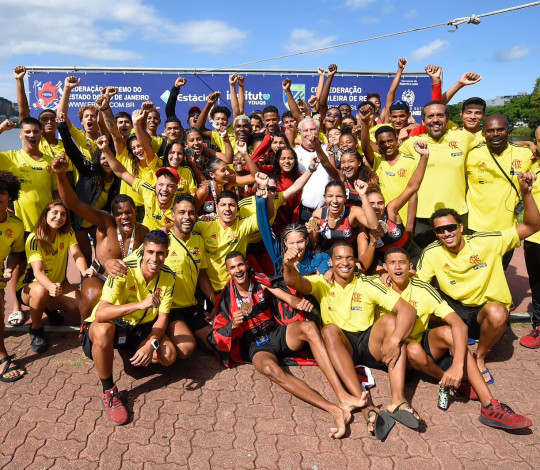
172 171
194 109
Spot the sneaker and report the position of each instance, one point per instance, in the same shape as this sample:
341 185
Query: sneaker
532 340
499 415
38 341
465 389
115 412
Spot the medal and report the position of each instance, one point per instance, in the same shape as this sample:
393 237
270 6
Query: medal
246 308
384 226
314 224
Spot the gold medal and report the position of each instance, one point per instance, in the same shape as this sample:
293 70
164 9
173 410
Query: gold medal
314 224
246 308
384 226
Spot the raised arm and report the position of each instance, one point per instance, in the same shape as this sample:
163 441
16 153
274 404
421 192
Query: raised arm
323 99
330 169
364 215
72 149
467 79
170 107
531 216
295 110
365 115
70 83
413 186
291 275
435 73
103 103
201 120
118 169
139 124
385 115
241 94
24 110
302 181
233 80
7 125
320 84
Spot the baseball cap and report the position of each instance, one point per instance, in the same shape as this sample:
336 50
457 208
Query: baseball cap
194 109
167 169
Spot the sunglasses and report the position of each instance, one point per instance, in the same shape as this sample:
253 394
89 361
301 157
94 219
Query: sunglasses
400 102
332 114
158 234
445 228
272 189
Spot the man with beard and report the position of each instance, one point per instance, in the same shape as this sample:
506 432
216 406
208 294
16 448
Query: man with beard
117 235
493 197
469 270
444 183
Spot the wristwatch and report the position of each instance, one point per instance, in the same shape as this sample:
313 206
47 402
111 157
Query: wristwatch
155 344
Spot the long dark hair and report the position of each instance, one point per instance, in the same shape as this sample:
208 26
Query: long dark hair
295 172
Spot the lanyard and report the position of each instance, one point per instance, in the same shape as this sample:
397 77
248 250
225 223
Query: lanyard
121 242
504 173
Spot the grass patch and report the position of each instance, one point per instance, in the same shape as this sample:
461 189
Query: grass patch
71 362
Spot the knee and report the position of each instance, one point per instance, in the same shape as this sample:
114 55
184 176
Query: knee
416 355
184 349
387 322
169 355
272 371
102 335
331 333
90 292
310 330
497 315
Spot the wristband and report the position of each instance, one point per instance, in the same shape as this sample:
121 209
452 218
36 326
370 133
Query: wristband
313 170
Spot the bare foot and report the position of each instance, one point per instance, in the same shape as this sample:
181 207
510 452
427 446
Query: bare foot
350 403
341 419
370 415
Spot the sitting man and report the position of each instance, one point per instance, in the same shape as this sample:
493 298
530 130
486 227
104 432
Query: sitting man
470 273
132 314
425 348
246 329
353 337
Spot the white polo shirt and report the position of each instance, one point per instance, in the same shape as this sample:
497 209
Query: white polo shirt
313 192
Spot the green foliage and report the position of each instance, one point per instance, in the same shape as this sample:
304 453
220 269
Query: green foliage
455 111
522 133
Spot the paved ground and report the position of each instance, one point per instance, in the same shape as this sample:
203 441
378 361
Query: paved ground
197 415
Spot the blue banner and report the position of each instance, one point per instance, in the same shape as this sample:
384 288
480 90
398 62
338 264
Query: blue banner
261 89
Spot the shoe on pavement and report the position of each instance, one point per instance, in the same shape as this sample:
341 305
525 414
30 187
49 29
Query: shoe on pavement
499 415
38 341
532 340
115 412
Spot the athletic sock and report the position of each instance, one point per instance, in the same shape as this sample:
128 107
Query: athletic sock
107 383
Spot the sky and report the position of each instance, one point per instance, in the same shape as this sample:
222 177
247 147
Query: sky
504 48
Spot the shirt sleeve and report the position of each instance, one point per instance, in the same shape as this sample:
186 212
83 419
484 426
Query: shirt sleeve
509 240
167 292
72 240
33 252
382 295
18 243
249 225
319 287
424 270
113 288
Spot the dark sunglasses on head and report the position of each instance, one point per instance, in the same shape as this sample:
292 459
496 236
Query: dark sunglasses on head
400 102
445 228
272 188
329 114
158 234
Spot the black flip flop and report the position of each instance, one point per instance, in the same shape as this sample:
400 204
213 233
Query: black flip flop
9 368
405 417
383 424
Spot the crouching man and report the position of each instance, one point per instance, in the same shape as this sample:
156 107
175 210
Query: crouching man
132 315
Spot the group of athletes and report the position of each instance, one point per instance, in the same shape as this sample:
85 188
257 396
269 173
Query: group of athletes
314 236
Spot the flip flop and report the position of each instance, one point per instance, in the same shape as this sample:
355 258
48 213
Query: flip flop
383 424
405 417
491 380
16 318
7 369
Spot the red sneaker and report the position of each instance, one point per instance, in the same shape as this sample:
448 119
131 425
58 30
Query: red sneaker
532 340
115 412
499 415
465 389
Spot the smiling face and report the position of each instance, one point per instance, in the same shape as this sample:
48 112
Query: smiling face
194 141
176 155
377 102
184 217
333 136
349 165
450 232
343 262
166 187
242 130
125 217
290 123
376 200
278 143
271 121
345 110
308 130
298 241
256 126
221 173
435 120
221 120
335 199
173 131
56 217
346 141
496 134
239 163
136 149
398 266
30 135
286 160
387 143
124 126
399 118
154 256
238 269
154 120
472 117
226 209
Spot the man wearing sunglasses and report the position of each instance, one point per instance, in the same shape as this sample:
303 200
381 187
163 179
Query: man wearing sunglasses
469 270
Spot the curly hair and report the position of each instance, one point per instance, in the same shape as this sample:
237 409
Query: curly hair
10 184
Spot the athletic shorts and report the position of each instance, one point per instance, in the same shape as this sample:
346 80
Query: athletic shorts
444 362
468 314
193 316
277 344
360 344
133 340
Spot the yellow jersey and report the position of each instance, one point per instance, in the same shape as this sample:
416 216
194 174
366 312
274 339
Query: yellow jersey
38 182
156 142
427 301
444 180
221 241
86 145
186 183
133 288
475 275
146 173
394 177
352 308
247 207
536 195
11 240
491 199
54 263
154 216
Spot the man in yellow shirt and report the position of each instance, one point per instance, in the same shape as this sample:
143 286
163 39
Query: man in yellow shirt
351 334
427 348
493 197
469 270
132 315
444 183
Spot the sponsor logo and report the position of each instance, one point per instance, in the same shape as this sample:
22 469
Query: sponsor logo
196 251
174 253
457 154
260 296
347 232
446 266
133 288
483 265
483 164
408 96
389 173
214 236
298 90
47 95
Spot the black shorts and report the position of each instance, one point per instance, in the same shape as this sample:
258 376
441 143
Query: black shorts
467 313
444 362
361 354
277 344
133 340
193 317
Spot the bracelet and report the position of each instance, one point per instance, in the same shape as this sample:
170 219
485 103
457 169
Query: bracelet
313 170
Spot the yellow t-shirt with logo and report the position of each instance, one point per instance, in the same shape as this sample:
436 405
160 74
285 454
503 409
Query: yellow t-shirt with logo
133 288
11 240
393 178
536 195
352 308
57 150
154 216
38 182
491 199
86 145
55 263
186 183
156 142
427 301
221 241
247 207
146 173
444 180
475 275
